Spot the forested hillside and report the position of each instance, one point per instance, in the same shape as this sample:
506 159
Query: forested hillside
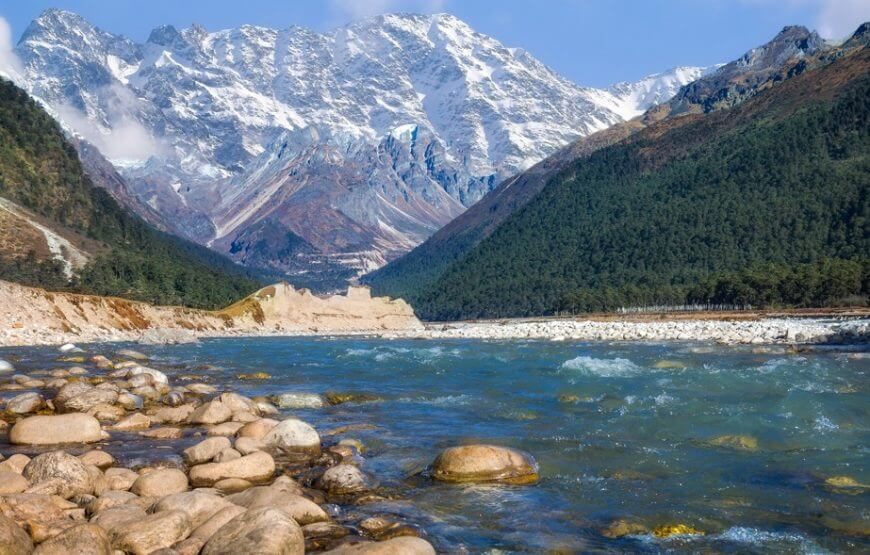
765 203
40 171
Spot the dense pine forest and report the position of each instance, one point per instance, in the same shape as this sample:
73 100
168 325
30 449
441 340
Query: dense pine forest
765 204
40 170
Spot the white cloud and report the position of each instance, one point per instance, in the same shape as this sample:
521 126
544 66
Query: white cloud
359 9
10 65
839 18
122 139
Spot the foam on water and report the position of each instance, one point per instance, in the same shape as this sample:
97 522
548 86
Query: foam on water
757 537
605 368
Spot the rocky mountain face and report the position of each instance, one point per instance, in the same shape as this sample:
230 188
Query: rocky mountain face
788 54
296 150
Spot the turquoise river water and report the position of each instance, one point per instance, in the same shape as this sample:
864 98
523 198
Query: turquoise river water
621 431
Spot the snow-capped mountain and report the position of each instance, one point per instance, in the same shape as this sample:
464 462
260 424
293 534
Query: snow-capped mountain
358 143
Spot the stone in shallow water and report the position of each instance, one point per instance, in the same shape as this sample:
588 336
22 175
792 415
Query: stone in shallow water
100 459
485 463
299 401
256 467
738 442
212 412
621 528
197 505
25 403
294 436
668 530
206 450
345 479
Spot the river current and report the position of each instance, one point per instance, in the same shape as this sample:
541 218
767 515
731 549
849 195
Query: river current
620 431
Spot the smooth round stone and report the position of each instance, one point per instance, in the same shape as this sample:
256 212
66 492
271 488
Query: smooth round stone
264 530
153 532
197 505
299 401
206 450
160 482
12 482
25 403
100 459
293 435
485 463
69 475
256 467
55 429
6 366
345 479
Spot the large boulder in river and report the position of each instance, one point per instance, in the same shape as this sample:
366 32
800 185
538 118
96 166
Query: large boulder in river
265 531
52 429
485 463
256 467
62 473
294 436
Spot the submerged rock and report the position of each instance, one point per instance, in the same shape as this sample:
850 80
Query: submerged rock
299 401
621 528
668 530
738 442
485 463
342 397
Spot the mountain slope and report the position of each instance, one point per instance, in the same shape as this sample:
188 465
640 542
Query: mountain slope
381 131
725 86
61 231
763 203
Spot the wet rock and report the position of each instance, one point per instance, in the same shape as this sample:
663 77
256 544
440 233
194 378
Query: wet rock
13 539
173 398
100 459
163 433
383 528
173 415
101 362
257 429
225 429
293 435
151 533
669 365
256 467
205 450
303 511
197 505
15 463
67 475
6 367
70 390
135 421
157 376
229 486
405 545
321 534
248 445
12 482
84 402
130 401
84 539
216 522
299 401
201 388
120 479
254 376
160 482
340 398
238 403
845 484
212 412
668 530
485 463
132 355
737 442
621 528
264 530
25 403
345 479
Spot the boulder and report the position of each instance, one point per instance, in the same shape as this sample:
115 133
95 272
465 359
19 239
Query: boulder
206 450
153 532
160 483
110 499
157 376
238 403
120 479
293 435
227 455
212 412
256 467
216 522
248 445
54 429
257 429
84 539
107 413
12 482
225 429
31 507
25 403
69 391
485 463
67 474
118 517
345 479
265 531
100 459
131 354
84 402
135 421
197 505
130 401
303 511
14 540
405 545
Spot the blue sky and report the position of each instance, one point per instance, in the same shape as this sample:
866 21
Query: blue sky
592 42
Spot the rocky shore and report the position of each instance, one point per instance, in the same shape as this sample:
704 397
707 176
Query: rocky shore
761 331
229 474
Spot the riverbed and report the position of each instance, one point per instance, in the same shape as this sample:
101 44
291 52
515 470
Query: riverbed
627 431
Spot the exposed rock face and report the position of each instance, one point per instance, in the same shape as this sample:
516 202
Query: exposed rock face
485 463
54 429
33 316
